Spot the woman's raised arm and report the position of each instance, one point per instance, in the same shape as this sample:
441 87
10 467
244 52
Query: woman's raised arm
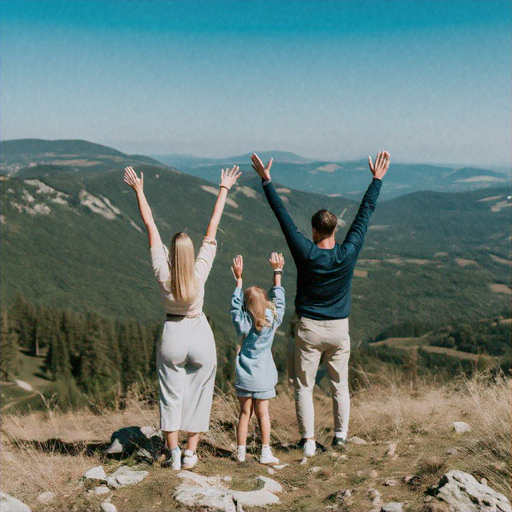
228 179
137 184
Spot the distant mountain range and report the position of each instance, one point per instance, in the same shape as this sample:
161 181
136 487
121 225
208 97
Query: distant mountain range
71 237
347 179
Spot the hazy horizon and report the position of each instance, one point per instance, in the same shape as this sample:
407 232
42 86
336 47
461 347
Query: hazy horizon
427 80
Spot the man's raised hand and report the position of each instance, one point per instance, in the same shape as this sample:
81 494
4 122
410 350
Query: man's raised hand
257 165
381 164
131 179
276 260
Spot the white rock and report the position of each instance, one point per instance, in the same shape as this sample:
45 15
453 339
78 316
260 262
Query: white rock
357 440
451 451
227 478
373 474
46 497
460 427
10 504
125 476
281 466
303 461
373 494
271 471
461 491
389 482
96 473
260 498
108 507
103 489
315 469
392 506
390 452
267 484
209 497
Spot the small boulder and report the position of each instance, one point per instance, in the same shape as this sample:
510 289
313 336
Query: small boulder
96 473
281 466
108 507
45 498
392 506
315 469
460 427
125 476
267 484
389 482
461 491
357 440
271 471
303 461
259 498
451 451
10 504
373 474
102 489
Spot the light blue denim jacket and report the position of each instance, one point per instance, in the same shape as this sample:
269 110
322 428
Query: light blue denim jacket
255 367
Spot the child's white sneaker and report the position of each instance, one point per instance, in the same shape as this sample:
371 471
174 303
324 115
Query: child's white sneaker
189 459
173 460
267 457
240 453
309 448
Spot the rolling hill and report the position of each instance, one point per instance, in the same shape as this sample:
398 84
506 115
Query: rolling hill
74 239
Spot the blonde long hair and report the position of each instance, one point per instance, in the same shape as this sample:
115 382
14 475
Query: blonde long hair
184 285
256 303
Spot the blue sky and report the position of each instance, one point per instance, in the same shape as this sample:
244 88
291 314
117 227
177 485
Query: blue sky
428 80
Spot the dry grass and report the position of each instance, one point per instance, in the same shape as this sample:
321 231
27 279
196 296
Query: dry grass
416 419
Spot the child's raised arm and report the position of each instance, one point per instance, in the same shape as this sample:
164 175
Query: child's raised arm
277 293
241 320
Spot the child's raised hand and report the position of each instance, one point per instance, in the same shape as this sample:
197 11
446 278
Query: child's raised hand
238 266
276 261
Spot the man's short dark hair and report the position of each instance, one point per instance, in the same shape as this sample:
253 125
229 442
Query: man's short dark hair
324 222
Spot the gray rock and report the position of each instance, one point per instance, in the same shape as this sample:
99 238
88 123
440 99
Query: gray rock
103 489
461 491
281 466
389 482
267 484
357 440
373 494
255 498
125 476
96 473
460 427
315 469
452 451
127 440
46 497
212 493
390 452
10 504
108 507
303 461
271 471
392 506
373 474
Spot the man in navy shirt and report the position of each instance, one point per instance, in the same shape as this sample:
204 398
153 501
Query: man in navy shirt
322 302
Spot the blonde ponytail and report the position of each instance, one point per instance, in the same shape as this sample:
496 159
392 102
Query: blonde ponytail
256 303
184 285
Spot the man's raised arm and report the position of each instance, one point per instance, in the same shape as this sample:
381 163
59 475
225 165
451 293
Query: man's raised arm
357 231
299 245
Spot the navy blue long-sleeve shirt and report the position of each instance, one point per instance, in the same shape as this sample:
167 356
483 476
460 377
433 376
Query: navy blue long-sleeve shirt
324 276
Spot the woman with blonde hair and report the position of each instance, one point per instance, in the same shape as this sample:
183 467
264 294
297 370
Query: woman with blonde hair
186 355
256 316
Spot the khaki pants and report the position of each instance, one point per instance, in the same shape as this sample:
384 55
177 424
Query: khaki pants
326 341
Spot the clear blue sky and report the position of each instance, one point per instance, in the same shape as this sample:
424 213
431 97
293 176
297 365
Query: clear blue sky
428 80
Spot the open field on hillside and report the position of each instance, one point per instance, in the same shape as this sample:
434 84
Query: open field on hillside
417 420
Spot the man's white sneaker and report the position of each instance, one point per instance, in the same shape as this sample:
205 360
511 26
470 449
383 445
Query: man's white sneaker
309 448
269 459
173 459
189 459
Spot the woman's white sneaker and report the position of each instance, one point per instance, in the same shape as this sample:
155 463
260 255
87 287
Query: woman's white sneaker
173 460
309 448
189 459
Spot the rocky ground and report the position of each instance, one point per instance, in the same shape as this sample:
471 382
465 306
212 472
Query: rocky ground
447 458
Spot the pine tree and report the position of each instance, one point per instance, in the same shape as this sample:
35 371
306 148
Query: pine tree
9 351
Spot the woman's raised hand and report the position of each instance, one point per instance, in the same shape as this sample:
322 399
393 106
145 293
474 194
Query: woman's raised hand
131 179
229 176
238 266
276 261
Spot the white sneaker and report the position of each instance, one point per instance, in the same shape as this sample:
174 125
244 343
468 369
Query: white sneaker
309 448
240 453
269 459
189 459
173 460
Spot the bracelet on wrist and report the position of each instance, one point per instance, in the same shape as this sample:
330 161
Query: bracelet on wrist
224 186
278 271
